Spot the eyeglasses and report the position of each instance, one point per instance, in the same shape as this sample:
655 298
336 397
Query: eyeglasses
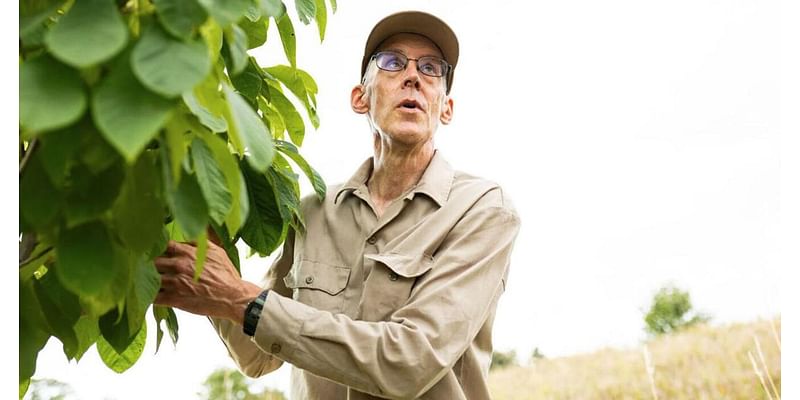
428 65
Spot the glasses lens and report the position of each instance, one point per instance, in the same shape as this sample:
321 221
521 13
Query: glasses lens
391 61
432 66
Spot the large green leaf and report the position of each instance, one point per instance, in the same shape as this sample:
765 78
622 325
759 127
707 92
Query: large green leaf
33 330
161 313
146 283
189 206
40 202
212 181
286 31
112 295
128 115
287 191
273 118
226 12
294 122
321 15
175 133
306 9
51 95
85 258
120 361
249 82
207 104
256 31
139 210
168 66
60 308
236 44
313 176
114 327
58 153
181 18
248 132
33 13
89 195
264 227
92 31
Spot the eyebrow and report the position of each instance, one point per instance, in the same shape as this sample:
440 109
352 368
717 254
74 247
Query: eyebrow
406 54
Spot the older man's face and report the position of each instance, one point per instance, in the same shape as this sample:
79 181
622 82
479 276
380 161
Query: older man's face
407 105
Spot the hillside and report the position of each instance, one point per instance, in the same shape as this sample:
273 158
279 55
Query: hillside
704 362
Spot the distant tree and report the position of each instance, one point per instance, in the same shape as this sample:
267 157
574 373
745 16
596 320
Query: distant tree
501 359
671 310
537 354
229 384
50 389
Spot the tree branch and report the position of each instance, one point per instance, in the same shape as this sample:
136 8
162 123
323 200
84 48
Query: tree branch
27 155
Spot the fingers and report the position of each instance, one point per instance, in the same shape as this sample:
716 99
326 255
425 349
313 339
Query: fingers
173 265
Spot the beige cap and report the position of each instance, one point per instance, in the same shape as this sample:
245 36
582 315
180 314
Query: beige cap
419 23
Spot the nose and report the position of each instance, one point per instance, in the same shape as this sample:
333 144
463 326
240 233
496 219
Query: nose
411 78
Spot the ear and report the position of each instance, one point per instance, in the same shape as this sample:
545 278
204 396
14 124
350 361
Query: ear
358 99
447 111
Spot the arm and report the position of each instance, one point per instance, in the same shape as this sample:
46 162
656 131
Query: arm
406 355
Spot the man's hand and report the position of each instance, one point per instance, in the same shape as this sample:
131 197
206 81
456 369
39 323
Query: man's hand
220 292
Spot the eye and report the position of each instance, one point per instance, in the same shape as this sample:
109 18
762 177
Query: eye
430 67
391 61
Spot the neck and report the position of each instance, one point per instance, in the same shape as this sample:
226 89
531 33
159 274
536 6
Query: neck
396 169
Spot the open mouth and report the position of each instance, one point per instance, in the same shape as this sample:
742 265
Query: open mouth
410 104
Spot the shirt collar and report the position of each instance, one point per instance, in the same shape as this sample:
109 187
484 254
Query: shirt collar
436 181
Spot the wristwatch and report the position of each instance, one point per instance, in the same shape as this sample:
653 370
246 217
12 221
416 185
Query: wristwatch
253 313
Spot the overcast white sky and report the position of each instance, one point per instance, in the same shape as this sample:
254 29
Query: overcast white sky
639 140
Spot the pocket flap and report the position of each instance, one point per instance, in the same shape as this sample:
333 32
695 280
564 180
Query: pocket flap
407 266
315 275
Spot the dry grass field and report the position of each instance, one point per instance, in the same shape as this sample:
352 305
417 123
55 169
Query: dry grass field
703 362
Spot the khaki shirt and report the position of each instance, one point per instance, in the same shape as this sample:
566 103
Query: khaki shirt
394 307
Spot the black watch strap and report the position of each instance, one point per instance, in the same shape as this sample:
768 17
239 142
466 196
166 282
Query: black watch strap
253 313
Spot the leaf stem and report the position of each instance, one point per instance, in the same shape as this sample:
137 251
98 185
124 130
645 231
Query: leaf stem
27 154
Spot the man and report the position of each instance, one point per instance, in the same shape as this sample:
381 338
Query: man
391 292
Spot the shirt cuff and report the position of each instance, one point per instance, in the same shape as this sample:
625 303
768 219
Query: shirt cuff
279 326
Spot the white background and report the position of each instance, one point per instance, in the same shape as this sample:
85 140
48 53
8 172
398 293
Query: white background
643 142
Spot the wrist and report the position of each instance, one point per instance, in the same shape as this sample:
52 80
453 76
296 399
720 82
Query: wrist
252 314
248 293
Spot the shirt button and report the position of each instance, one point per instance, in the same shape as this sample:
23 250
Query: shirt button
372 240
309 279
275 348
392 276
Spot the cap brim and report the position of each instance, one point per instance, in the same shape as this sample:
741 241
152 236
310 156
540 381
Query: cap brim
419 23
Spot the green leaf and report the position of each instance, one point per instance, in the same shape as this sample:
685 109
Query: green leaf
139 210
313 176
32 14
333 5
91 32
85 258
89 195
40 202
146 283
226 12
247 131
256 32
51 95
287 192
60 308
175 133
236 43
295 80
233 179
161 313
306 9
228 244
264 226
189 207
58 152
23 387
33 330
212 35
321 16
128 115
273 117
207 104
249 82
169 66
286 31
112 296
294 122
119 362
272 8
180 17
212 182
87 332
114 327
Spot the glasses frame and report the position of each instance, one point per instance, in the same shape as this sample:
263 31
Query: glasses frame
445 72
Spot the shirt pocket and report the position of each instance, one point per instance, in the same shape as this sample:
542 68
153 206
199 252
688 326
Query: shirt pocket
389 284
318 284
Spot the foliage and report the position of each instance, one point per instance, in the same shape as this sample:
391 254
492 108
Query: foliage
700 362
502 359
143 121
670 311
224 384
50 389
